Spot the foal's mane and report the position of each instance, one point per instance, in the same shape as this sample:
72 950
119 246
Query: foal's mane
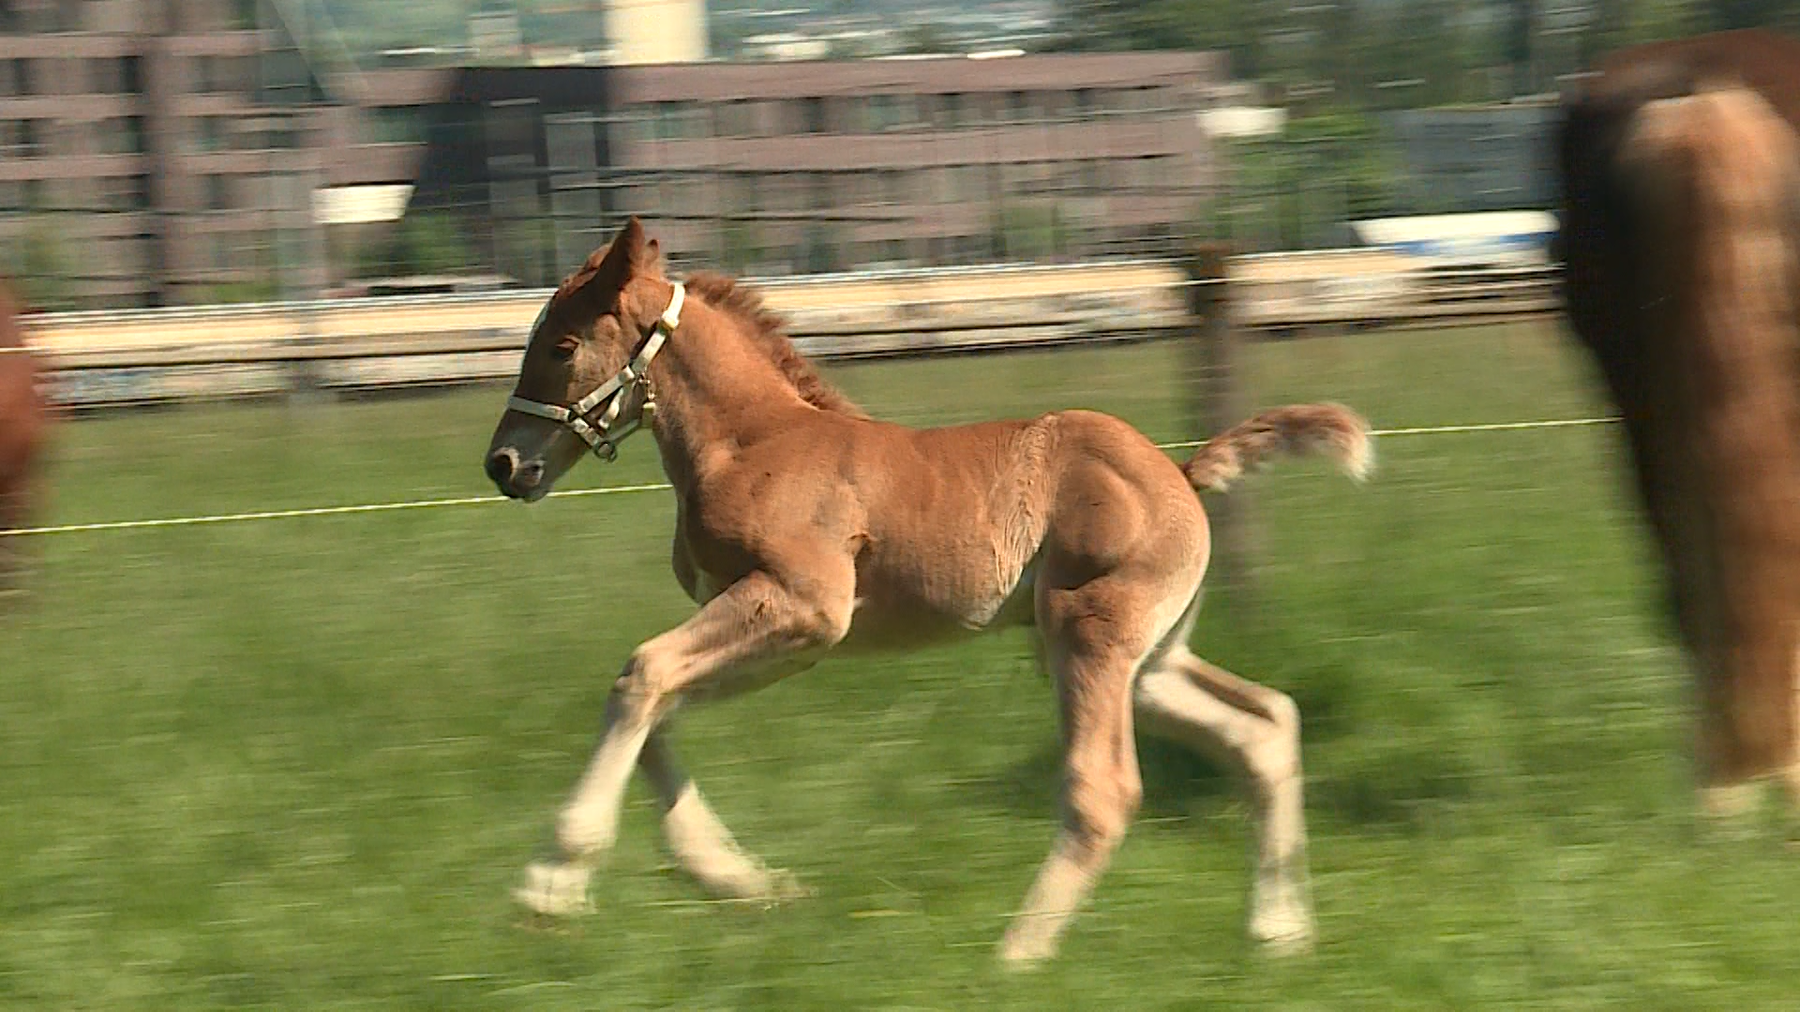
766 327
603 275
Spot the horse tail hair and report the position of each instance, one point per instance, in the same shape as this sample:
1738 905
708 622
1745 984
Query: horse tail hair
1330 430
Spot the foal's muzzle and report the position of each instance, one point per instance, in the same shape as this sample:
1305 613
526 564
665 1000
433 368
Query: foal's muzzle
516 479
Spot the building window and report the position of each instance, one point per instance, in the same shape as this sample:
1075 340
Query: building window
892 112
735 119
209 134
116 193
398 125
678 121
103 76
812 115
24 77
818 191
121 136
896 186
31 139
950 111
218 193
215 75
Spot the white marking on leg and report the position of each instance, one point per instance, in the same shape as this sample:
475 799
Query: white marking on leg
555 889
1257 730
589 823
1061 886
705 849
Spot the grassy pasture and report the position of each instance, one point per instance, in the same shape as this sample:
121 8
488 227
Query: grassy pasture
297 764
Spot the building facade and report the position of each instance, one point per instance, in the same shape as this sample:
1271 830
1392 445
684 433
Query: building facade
179 151
1474 158
156 151
813 166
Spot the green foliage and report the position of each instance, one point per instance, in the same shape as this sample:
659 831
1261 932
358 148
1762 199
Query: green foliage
1032 231
261 290
924 37
1295 191
42 265
740 244
1235 26
1726 14
1440 50
424 242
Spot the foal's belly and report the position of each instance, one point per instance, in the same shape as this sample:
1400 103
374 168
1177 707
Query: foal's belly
905 613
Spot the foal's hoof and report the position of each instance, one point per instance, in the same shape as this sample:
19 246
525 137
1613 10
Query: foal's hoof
1024 949
784 886
555 890
1279 934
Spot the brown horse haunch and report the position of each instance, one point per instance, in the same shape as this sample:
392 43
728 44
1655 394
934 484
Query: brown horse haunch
22 422
1680 235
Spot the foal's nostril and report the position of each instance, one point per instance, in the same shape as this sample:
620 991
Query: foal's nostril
527 475
500 465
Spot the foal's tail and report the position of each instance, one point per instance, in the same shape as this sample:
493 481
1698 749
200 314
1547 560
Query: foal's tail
1329 429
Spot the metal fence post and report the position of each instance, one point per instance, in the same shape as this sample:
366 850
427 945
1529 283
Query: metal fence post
1221 400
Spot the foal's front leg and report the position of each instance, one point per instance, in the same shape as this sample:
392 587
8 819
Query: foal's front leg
756 631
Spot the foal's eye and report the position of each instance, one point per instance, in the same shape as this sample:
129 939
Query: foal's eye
565 348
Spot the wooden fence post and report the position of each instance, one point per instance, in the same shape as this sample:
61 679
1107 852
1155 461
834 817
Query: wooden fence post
1221 400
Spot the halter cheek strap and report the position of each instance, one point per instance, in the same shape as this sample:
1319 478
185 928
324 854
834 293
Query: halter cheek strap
630 383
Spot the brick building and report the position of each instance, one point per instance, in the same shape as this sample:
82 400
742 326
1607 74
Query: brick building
151 148
166 151
807 166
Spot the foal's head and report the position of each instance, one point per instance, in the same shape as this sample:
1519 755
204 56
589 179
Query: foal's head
574 391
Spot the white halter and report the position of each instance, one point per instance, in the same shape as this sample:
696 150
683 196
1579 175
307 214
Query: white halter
598 433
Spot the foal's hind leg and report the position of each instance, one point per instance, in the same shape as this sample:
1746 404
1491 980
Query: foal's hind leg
754 632
1101 791
1255 729
700 842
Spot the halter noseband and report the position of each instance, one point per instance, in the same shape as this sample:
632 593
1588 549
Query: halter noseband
634 378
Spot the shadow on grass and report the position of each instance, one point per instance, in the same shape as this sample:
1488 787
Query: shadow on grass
1401 789
1355 775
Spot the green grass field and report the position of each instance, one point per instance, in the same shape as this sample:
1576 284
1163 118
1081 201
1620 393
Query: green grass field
297 764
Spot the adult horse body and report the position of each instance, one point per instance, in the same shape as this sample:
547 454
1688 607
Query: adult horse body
1680 237
22 422
803 526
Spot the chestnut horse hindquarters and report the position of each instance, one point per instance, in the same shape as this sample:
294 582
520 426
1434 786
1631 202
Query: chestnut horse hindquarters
22 420
1679 214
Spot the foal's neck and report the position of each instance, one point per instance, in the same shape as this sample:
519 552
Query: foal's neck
716 389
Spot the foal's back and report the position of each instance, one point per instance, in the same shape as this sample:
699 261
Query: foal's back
952 525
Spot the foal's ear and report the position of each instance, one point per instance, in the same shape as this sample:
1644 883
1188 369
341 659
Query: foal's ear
649 259
627 248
